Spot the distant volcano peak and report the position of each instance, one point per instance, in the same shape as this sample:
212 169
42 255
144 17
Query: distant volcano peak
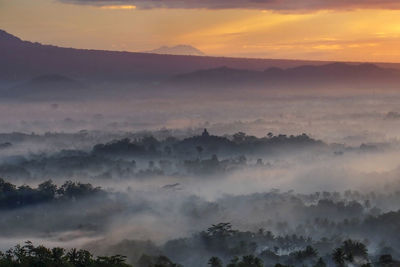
186 50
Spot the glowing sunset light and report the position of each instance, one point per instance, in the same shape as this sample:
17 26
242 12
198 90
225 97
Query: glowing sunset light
327 30
127 7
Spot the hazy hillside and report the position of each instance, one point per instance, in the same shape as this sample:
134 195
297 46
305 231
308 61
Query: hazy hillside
307 74
22 60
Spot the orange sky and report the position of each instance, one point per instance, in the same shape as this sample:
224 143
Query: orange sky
339 34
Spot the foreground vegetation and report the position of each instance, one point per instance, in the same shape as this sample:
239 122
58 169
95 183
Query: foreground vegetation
350 253
40 256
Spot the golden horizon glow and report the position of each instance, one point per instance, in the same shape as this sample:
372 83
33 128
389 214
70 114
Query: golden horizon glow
343 35
118 7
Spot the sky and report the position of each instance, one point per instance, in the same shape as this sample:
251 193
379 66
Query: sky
341 30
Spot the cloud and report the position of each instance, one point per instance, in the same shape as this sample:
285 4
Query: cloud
276 5
119 7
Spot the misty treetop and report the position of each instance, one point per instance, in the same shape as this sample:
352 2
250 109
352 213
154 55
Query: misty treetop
319 215
146 156
222 246
12 197
345 253
262 248
29 255
275 228
204 144
174 158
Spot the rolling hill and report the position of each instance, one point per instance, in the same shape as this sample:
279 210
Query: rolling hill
306 74
23 60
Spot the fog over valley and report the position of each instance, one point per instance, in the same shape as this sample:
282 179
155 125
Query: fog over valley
153 160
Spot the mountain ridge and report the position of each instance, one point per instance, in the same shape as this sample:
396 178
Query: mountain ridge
327 73
24 60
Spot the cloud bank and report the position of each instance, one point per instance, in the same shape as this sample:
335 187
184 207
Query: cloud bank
275 5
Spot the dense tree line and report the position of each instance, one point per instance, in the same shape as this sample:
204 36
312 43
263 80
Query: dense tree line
29 255
12 197
199 155
204 145
203 154
349 253
248 249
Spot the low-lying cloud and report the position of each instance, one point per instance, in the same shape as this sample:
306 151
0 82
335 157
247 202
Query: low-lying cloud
275 5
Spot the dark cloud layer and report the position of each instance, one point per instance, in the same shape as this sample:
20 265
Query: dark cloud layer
277 5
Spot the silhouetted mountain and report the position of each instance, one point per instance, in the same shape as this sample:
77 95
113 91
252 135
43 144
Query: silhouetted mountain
329 73
187 50
339 71
23 60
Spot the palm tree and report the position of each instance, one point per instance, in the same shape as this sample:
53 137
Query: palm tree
338 257
355 248
221 230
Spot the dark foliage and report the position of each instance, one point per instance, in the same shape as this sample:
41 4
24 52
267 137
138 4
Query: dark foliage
12 197
40 256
